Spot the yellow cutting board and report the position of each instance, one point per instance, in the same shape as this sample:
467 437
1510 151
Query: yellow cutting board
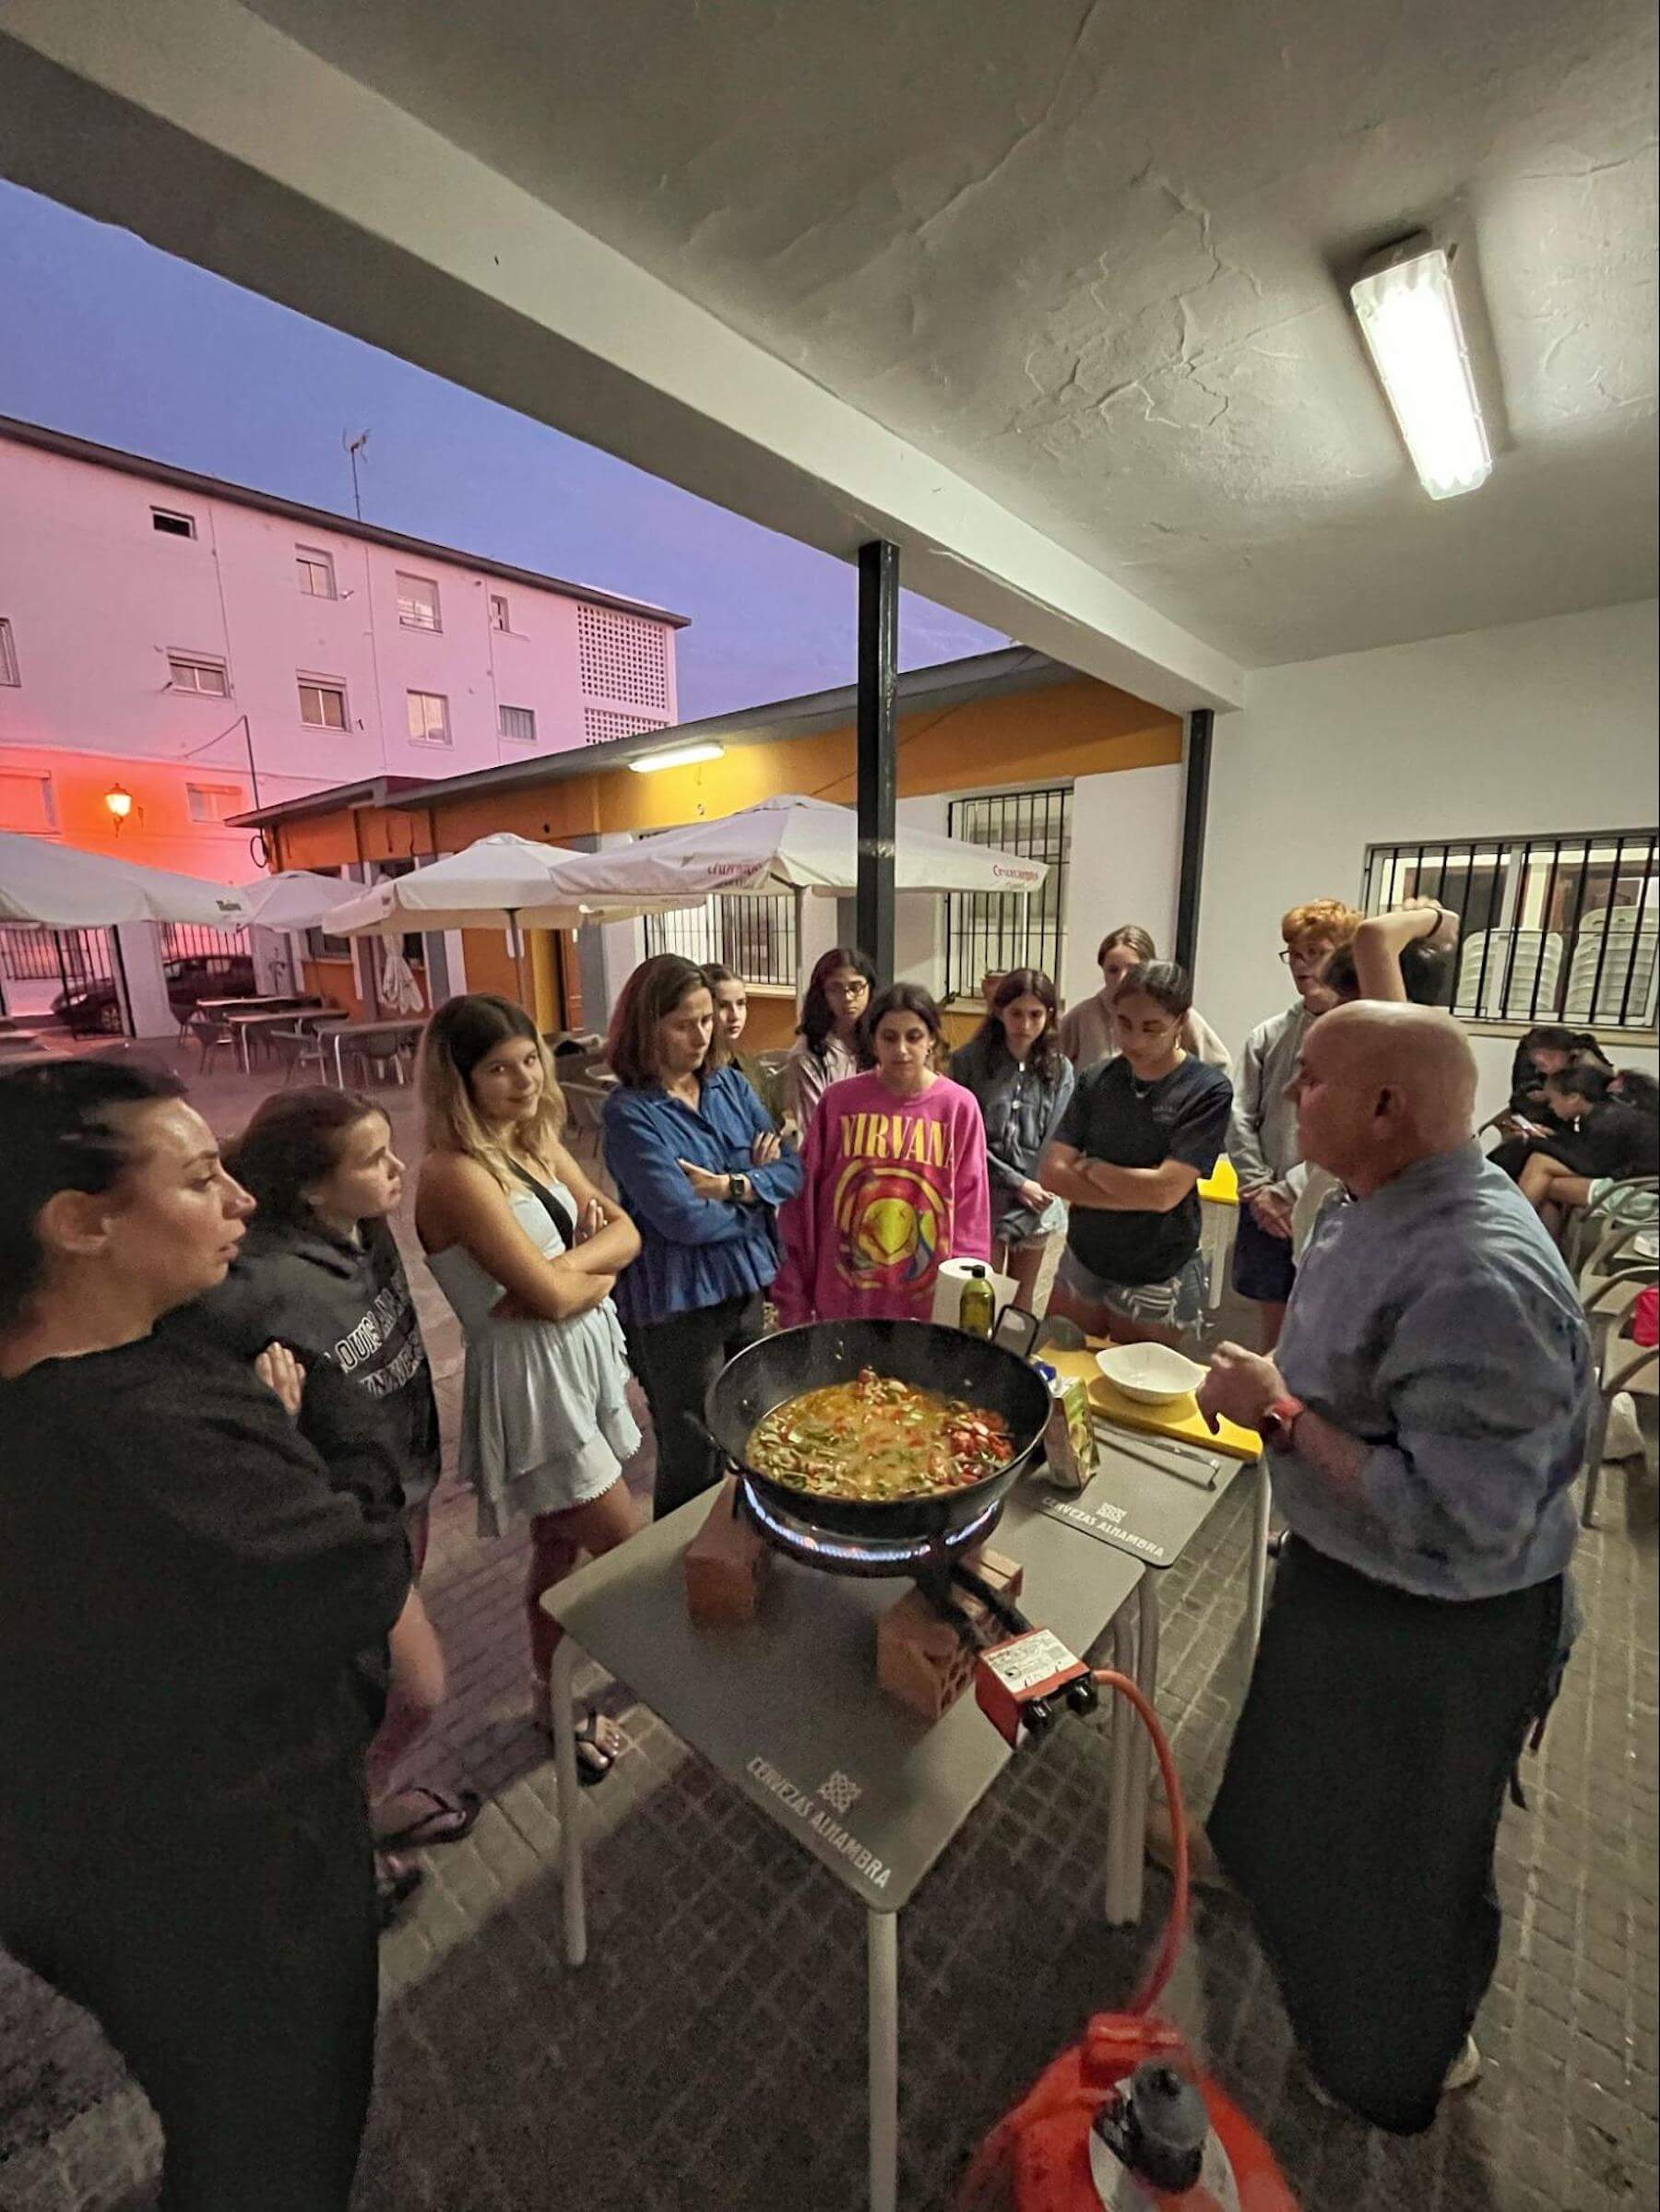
1181 1420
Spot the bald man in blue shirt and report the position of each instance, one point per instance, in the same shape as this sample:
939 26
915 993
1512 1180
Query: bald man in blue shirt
1425 1416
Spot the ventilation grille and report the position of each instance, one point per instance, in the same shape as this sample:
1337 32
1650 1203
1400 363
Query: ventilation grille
623 656
599 726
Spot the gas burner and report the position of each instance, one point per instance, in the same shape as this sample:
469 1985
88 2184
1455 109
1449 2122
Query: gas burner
927 1560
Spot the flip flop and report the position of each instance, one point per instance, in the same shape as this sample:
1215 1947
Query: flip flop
449 1820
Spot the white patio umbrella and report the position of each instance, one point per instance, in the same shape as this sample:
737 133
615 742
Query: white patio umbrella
787 844
793 844
59 887
294 899
501 881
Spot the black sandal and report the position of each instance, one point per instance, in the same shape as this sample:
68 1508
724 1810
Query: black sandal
594 1762
395 1885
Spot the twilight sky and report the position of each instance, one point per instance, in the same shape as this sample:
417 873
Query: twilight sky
107 339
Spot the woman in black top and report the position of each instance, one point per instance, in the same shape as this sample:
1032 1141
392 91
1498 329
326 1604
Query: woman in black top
185 1584
1604 1139
1139 1133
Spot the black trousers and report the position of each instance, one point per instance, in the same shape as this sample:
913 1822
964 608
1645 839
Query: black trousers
676 1361
237 1979
1360 1809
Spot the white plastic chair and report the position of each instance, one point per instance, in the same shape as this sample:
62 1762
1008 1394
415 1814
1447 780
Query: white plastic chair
1627 971
1535 966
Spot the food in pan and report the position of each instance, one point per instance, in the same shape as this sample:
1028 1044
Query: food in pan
878 1438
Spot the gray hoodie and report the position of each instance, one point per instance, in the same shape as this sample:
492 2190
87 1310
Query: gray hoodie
349 1305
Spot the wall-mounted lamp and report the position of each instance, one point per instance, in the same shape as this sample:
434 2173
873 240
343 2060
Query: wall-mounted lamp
676 756
1408 316
119 801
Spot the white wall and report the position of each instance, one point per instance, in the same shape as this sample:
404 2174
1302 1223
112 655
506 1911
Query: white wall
1126 854
1126 860
1536 727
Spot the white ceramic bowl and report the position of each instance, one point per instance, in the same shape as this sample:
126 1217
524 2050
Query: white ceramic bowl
1152 1373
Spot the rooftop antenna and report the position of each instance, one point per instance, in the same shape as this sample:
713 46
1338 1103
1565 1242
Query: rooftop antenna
354 447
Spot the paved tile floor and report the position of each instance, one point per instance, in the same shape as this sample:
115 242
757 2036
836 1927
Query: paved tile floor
710 2057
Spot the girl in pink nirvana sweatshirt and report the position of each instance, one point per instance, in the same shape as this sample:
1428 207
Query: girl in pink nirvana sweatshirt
896 1181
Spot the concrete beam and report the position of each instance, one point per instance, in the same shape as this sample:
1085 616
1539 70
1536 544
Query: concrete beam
219 139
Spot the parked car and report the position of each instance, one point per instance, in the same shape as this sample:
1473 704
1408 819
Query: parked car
93 1008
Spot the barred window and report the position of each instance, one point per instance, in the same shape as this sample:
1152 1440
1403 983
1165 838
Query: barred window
517 722
752 933
989 932
1559 929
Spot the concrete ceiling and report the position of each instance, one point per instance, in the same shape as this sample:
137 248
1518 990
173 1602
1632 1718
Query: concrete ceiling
1088 258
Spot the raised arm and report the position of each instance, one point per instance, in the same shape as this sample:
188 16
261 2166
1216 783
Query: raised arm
1380 940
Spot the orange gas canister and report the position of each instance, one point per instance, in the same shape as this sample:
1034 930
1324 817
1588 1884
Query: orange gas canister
1123 2121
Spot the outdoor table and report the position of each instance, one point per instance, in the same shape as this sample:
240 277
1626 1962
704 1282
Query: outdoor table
1161 1474
258 1002
1220 1222
345 1031
788 1708
262 1017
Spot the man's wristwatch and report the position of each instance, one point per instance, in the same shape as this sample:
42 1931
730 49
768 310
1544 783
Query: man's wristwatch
1279 1423
742 1190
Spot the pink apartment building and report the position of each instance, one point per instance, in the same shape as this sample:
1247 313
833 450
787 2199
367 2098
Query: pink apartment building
169 638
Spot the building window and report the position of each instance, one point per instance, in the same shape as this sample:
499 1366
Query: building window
212 802
191 672
987 933
26 802
429 719
752 932
1559 929
623 656
321 704
599 724
498 619
417 602
518 723
8 653
314 572
171 523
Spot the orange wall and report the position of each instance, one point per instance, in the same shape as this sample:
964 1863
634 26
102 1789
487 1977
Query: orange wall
334 980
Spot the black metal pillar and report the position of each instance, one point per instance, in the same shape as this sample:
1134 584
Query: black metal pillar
1195 806
878 779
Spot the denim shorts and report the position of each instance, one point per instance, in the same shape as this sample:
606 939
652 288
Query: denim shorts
1175 1303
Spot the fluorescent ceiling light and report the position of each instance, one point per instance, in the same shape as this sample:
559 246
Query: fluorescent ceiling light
676 756
1409 319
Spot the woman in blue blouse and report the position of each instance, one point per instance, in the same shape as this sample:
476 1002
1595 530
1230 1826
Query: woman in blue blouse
701 1170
